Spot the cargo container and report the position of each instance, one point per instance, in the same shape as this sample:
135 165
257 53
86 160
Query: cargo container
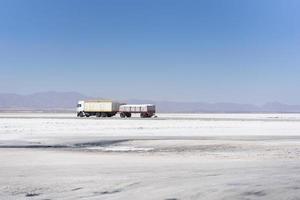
145 110
98 108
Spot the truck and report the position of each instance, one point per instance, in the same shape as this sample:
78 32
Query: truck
108 108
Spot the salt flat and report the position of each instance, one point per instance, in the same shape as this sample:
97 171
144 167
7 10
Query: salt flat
174 156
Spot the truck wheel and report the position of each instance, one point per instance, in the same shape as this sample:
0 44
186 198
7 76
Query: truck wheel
128 114
80 114
142 115
87 115
103 114
149 115
98 114
122 115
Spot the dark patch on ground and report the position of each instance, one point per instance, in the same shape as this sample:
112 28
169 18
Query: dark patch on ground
171 199
108 192
102 143
34 146
32 194
259 193
213 174
75 189
294 187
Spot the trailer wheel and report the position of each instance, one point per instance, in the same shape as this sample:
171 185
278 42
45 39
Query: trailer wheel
87 114
149 115
146 115
103 114
98 114
111 114
128 115
122 115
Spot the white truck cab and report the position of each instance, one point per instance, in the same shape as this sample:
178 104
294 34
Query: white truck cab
80 106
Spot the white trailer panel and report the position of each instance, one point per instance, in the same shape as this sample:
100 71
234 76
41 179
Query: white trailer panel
137 108
101 106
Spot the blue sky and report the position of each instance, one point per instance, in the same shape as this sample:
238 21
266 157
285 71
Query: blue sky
213 51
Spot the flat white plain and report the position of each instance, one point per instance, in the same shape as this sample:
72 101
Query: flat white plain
174 156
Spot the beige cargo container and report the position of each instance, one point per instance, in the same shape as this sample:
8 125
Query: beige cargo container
100 108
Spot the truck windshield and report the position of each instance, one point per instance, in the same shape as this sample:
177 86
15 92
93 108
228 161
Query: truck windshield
78 105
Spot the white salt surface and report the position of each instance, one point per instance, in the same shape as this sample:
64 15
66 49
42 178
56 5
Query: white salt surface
174 156
60 128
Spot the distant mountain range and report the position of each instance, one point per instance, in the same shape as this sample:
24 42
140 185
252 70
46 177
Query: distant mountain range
44 101
66 101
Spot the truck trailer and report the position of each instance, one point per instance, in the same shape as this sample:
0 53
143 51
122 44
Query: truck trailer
98 108
145 110
108 108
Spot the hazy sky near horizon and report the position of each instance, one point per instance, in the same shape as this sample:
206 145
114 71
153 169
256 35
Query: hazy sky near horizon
214 50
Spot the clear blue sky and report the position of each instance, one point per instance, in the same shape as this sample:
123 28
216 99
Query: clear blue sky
244 51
